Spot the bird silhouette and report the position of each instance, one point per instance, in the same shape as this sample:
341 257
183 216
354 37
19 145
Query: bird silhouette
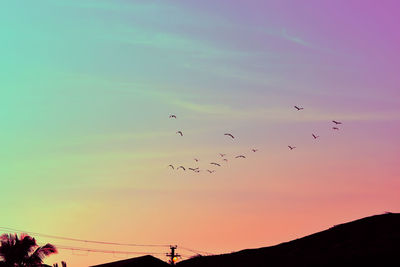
225 160
228 134
240 156
194 169
291 147
197 160
298 108
181 167
336 122
172 116
216 164
171 166
254 150
335 128
179 132
315 136
210 171
222 155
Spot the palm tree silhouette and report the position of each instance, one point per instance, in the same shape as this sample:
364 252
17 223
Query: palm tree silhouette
22 251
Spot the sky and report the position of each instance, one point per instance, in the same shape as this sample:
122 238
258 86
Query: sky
87 87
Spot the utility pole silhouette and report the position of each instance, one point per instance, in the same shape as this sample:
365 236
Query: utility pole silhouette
173 257
63 264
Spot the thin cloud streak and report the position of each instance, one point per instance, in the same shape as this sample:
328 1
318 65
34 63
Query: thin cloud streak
293 39
163 94
282 115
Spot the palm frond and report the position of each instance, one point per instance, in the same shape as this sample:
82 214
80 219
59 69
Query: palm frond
22 251
40 253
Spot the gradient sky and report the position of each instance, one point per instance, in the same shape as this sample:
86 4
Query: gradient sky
87 87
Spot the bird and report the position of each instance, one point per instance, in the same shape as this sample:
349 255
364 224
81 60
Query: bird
228 134
335 128
179 132
254 150
240 156
298 108
171 166
315 136
222 155
210 171
225 160
194 169
216 164
183 168
291 147
336 122
197 160
172 116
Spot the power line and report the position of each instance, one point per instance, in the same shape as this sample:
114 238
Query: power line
107 251
196 251
111 251
101 242
83 240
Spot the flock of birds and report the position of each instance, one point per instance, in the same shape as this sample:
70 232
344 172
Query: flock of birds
223 156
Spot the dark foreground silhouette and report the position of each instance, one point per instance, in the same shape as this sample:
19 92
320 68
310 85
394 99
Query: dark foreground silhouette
23 251
371 241
145 261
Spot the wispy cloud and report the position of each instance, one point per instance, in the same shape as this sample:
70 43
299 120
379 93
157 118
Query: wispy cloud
146 31
109 5
181 99
276 114
203 108
294 39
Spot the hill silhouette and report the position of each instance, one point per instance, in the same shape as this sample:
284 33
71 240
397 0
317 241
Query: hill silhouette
148 261
371 241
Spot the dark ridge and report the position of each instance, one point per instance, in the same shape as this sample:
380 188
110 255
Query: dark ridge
371 241
145 261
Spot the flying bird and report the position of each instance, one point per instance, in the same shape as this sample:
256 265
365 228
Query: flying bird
222 155
240 156
228 134
291 147
298 108
172 116
171 166
183 168
336 122
179 132
315 136
254 150
197 160
335 128
216 164
194 169
210 171
225 160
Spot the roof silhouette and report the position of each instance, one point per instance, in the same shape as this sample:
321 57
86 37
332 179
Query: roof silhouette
371 241
144 261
